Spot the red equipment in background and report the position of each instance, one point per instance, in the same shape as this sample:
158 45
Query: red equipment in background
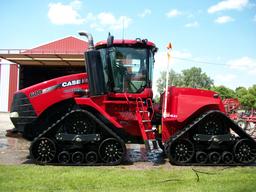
88 118
246 120
231 106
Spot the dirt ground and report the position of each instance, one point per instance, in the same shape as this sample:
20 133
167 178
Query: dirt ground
12 150
15 150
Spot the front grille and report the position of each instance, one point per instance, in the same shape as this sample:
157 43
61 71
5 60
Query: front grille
22 105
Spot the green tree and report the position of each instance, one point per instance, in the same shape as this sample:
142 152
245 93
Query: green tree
193 77
252 90
247 97
174 79
224 92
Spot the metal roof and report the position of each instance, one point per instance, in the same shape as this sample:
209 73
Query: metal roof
63 52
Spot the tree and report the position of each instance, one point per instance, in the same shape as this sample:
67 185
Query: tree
193 77
247 97
224 92
174 79
252 92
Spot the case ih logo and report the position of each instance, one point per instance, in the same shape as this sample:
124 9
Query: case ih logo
74 82
61 85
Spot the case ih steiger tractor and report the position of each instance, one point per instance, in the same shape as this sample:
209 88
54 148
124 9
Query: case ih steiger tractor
87 118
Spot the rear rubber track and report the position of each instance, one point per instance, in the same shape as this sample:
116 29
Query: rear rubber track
186 148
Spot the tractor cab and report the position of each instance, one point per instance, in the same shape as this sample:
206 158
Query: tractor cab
127 65
121 67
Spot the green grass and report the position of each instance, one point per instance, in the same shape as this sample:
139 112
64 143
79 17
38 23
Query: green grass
122 178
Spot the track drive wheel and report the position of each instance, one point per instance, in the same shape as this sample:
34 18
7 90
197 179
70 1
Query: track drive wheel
111 151
79 123
181 151
214 124
245 151
43 150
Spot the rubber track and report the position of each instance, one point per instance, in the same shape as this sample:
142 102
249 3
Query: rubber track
50 128
238 130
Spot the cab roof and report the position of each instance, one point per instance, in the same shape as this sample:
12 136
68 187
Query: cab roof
127 42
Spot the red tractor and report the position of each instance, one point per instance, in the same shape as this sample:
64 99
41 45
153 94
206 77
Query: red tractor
88 118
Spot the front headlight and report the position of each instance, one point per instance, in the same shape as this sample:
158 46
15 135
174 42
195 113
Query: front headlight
14 114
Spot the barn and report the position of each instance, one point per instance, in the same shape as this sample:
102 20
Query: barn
20 68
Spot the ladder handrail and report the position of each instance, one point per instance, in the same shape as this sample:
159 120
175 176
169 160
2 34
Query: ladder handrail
151 106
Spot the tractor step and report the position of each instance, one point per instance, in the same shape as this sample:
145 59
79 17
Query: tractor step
150 147
149 130
146 121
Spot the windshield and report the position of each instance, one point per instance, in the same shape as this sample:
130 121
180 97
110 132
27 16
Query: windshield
130 68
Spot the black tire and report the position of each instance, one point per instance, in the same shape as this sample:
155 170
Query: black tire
111 151
181 151
245 151
43 150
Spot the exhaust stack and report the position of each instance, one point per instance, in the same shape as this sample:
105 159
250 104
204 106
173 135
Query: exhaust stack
90 39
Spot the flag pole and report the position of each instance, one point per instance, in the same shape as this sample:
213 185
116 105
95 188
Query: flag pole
169 48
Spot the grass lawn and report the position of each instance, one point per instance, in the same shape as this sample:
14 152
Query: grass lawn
121 178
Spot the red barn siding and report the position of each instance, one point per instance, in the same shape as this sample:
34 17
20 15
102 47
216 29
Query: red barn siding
13 82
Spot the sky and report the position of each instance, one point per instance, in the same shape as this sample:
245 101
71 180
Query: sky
217 36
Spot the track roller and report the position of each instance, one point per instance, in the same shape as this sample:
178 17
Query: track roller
64 157
201 157
227 157
214 157
77 157
91 157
